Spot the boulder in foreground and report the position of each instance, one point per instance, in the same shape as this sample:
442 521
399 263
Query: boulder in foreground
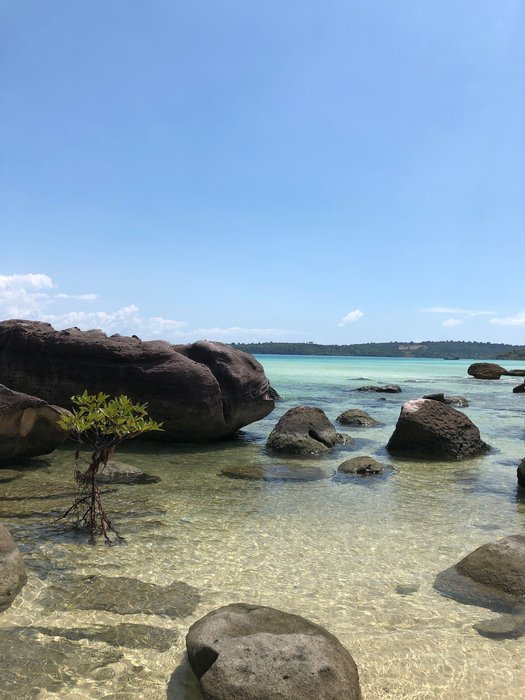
428 429
28 426
12 569
199 392
251 652
303 430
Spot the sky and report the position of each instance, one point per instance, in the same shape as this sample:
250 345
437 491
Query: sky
246 170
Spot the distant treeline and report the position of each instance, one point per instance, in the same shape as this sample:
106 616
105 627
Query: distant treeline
447 349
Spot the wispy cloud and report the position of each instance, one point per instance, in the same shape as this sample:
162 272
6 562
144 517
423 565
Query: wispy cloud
455 310
22 295
351 317
516 320
451 322
78 297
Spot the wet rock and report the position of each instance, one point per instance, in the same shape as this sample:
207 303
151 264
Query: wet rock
28 426
344 439
428 429
386 389
449 400
363 466
30 665
259 653
120 473
354 416
303 430
274 473
515 373
492 576
12 570
132 636
520 389
200 392
121 595
521 473
486 370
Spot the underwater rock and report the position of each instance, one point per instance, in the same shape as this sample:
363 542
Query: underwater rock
363 465
428 429
12 570
28 426
260 653
303 430
120 473
199 392
274 472
354 416
386 389
125 634
121 595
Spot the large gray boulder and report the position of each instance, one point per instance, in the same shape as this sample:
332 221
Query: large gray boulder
28 426
428 429
200 391
251 652
12 569
303 430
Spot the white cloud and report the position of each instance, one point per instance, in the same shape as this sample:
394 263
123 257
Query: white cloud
451 322
350 317
79 297
517 320
21 295
455 310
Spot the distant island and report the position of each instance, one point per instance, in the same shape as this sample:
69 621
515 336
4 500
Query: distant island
443 349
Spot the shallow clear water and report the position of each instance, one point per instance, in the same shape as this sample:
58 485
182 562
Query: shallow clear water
359 557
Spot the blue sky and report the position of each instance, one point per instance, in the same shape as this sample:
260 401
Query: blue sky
345 171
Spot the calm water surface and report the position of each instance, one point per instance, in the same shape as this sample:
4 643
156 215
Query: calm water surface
359 557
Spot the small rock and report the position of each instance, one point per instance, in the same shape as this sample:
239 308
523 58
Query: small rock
386 389
354 416
120 473
520 389
364 466
449 400
344 439
274 473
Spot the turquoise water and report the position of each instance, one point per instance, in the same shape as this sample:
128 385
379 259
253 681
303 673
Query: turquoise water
340 553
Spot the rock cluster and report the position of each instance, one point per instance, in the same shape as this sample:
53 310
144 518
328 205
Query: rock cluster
200 391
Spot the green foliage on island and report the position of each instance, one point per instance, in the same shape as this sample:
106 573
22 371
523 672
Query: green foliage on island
446 349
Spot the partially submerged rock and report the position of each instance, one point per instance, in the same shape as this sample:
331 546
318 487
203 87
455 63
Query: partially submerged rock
491 576
521 473
199 392
385 389
28 426
303 430
486 370
251 652
520 389
121 473
362 466
12 570
274 472
428 429
449 400
124 634
354 416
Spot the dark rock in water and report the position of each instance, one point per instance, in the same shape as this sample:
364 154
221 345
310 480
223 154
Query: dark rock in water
344 439
491 576
515 373
120 473
258 653
132 636
428 429
407 589
521 473
200 391
12 570
363 466
273 394
121 595
46 665
449 400
353 416
520 389
503 627
486 370
274 473
28 426
303 430
386 389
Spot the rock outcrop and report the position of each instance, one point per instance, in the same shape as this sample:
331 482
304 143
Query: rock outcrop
12 569
259 653
486 370
354 416
449 400
200 391
303 430
428 429
491 576
28 426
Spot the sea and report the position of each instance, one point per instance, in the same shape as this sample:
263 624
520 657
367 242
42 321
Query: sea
358 555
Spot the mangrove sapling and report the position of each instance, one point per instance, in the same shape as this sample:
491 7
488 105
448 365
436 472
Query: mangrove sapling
99 424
